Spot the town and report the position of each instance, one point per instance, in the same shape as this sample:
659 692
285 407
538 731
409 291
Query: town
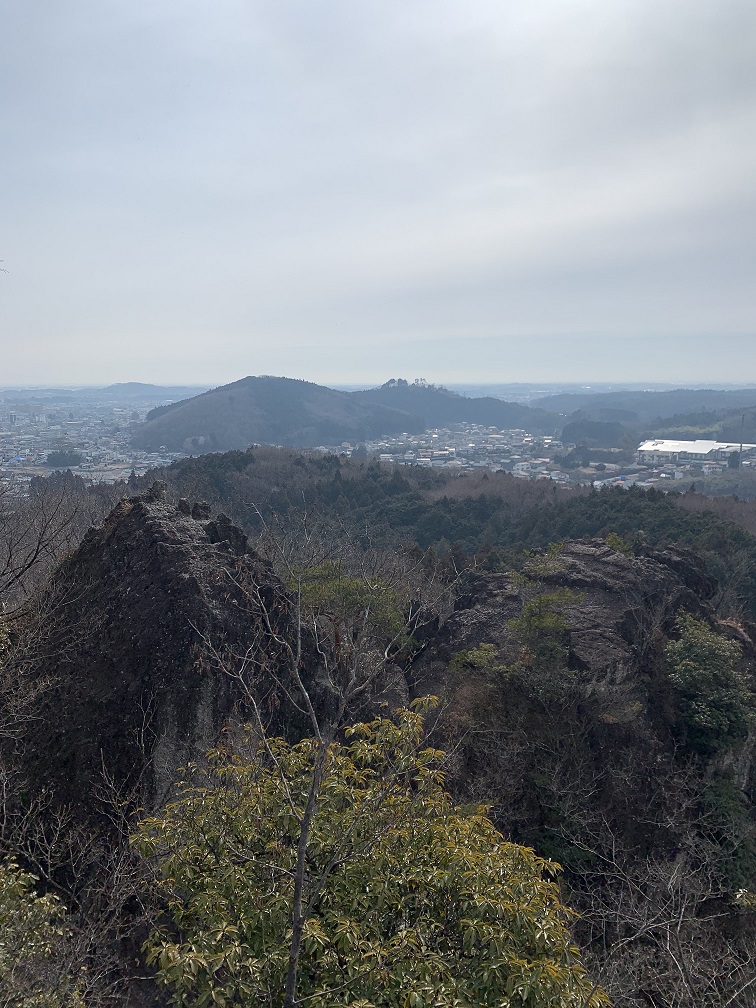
465 447
89 432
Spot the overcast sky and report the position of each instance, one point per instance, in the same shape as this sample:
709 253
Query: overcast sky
352 190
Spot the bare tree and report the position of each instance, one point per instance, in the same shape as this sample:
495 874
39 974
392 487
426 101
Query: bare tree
35 532
97 880
332 642
100 883
660 924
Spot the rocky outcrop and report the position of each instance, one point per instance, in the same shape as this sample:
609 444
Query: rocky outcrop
523 728
618 606
137 617
577 757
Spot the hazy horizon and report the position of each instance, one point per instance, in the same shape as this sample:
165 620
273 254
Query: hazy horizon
470 389
535 191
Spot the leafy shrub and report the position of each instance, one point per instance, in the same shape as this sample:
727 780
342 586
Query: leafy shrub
409 902
32 930
715 700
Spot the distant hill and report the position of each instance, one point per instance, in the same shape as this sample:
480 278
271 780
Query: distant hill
718 425
439 407
122 393
283 411
621 417
268 410
140 390
646 406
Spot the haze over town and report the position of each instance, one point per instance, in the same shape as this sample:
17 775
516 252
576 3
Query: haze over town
469 192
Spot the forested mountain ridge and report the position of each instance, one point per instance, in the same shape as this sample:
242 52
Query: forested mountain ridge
267 410
439 407
624 419
647 406
283 411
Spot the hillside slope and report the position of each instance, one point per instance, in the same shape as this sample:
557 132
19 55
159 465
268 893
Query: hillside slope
268 410
438 407
646 406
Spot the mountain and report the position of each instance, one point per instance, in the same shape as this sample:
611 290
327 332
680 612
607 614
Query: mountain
646 406
436 406
284 411
119 392
142 391
268 410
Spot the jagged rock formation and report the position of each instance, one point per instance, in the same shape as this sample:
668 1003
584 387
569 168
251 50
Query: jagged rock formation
559 711
621 604
525 732
133 694
136 609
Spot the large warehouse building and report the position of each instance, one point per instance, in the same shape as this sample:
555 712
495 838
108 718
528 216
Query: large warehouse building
691 451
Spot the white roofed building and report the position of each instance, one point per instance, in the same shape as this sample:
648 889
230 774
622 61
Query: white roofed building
663 450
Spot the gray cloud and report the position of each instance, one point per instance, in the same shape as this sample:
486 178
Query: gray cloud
197 191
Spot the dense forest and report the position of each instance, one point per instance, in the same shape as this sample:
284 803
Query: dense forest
481 518
224 782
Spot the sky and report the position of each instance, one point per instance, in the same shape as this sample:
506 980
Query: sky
352 190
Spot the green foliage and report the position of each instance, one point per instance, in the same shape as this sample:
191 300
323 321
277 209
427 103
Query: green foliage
32 929
716 702
329 588
410 903
541 563
64 458
745 900
483 658
732 831
594 433
541 628
618 544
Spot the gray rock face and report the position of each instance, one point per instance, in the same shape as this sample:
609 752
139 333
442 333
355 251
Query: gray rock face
619 607
200 512
136 609
601 719
617 617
